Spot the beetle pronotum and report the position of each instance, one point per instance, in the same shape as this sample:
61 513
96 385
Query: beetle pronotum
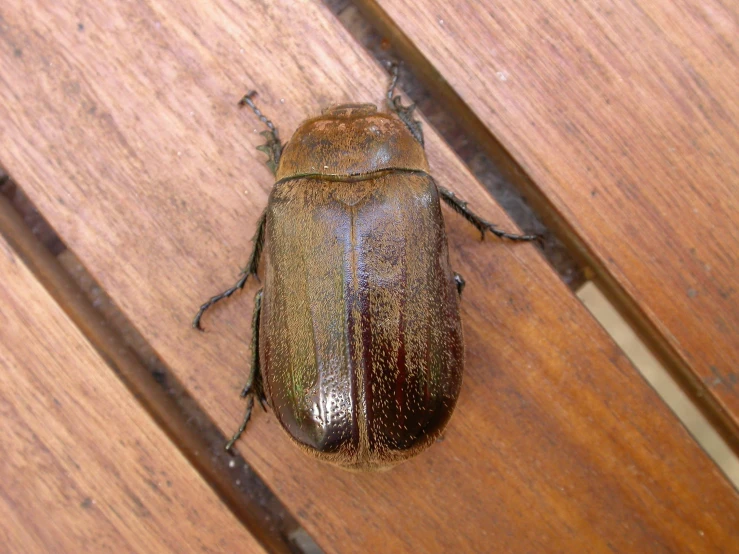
356 336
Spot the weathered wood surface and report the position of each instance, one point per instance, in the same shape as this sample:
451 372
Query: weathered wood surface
120 123
625 117
130 358
84 468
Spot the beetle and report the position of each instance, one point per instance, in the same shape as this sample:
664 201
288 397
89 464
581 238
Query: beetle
356 334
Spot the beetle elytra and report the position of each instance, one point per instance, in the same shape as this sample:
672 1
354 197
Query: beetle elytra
356 335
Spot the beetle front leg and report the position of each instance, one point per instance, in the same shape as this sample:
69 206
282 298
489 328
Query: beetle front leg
254 385
405 113
460 206
273 147
250 269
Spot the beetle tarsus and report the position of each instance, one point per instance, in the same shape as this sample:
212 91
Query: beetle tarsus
217 298
404 113
460 206
247 101
250 269
254 386
242 427
273 146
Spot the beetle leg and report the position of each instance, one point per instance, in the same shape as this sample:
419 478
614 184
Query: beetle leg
254 382
250 269
242 427
273 146
404 113
254 386
460 206
460 282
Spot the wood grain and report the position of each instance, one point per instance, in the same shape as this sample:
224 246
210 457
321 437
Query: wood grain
158 393
121 125
624 116
84 468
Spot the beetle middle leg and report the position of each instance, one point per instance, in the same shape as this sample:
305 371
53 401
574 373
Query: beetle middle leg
249 270
254 386
405 113
460 206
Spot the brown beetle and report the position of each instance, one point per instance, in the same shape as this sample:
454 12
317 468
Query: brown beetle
356 337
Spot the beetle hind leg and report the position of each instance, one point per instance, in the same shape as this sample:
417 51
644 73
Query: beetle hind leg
404 113
273 146
254 386
254 383
249 270
460 206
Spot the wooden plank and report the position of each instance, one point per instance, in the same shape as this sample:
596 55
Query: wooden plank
84 468
149 173
624 116
153 386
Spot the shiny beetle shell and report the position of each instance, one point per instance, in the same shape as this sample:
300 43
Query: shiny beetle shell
360 340
356 338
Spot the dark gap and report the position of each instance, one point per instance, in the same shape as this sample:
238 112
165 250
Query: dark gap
231 477
482 165
31 216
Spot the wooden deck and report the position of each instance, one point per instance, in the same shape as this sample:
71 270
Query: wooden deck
118 123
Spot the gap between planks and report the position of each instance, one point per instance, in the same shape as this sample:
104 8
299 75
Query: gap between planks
482 166
448 100
661 380
153 386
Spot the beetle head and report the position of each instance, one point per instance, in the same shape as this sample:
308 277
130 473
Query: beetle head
350 140
349 110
